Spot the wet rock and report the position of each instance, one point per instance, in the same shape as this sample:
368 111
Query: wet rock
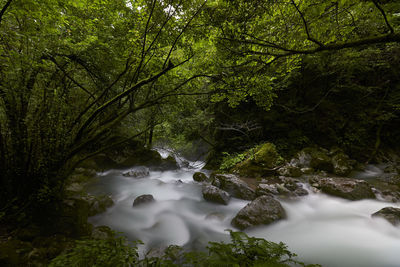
342 165
143 199
392 168
262 210
300 191
313 157
388 195
168 164
307 170
214 194
390 214
266 189
199 177
74 188
137 172
233 185
290 171
102 232
98 204
347 188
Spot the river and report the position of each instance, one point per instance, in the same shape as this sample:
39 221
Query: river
319 228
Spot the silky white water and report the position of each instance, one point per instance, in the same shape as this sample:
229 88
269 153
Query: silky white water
319 228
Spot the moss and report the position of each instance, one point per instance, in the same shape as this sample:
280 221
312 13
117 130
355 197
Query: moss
267 155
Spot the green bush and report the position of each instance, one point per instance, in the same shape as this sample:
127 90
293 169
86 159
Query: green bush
242 251
229 161
111 252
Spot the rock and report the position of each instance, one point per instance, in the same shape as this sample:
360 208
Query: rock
342 165
98 204
262 210
216 195
307 170
320 160
137 172
199 177
266 189
102 232
267 155
347 188
168 164
85 171
300 191
290 171
72 218
233 185
392 168
390 214
282 190
312 157
74 188
143 199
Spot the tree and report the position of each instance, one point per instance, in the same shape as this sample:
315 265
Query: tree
253 35
72 71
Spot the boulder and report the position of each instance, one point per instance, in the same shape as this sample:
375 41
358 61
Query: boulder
214 194
266 189
307 170
102 232
143 199
342 165
168 164
137 172
233 185
262 210
260 161
98 204
199 177
313 157
352 189
390 214
290 171
267 155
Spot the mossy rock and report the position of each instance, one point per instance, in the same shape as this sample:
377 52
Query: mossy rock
267 155
319 159
248 168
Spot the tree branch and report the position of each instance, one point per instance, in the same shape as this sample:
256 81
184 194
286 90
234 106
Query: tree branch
117 98
387 38
3 10
306 26
384 15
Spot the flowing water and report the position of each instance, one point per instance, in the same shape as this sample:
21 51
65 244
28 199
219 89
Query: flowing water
319 228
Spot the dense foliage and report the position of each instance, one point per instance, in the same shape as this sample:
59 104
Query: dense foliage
242 251
80 77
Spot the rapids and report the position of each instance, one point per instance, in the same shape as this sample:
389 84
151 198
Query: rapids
321 229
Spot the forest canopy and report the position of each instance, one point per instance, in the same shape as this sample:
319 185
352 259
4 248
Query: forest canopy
74 73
